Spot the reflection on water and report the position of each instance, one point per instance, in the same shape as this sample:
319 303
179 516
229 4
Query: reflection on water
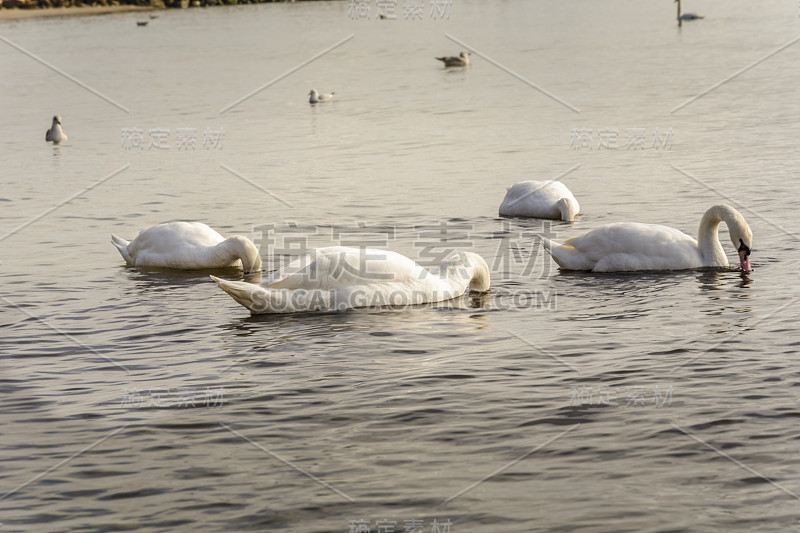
714 279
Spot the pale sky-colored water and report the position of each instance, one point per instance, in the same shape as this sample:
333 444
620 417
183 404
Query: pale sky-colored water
558 379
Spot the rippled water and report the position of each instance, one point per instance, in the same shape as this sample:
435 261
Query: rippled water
556 402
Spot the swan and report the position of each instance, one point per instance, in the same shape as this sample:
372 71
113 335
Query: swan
188 245
540 199
339 278
686 16
632 246
461 60
314 97
55 133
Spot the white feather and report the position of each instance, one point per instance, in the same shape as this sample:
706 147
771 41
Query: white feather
338 278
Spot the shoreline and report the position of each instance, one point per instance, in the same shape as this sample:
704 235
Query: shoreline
17 14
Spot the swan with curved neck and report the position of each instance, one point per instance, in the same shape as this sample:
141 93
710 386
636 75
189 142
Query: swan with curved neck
540 199
188 246
630 246
337 278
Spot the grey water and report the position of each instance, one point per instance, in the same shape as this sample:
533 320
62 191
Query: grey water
149 400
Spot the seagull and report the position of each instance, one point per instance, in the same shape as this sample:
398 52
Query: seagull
461 60
314 97
55 133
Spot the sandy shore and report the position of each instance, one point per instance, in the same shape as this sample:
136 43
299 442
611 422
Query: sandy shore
13 14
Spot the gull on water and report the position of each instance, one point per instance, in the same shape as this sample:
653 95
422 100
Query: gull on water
461 60
314 97
55 133
686 16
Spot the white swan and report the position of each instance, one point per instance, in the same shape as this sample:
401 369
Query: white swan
314 97
338 278
461 60
685 16
631 246
540 199
188 245
55 133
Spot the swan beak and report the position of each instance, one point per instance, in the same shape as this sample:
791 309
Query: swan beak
744 260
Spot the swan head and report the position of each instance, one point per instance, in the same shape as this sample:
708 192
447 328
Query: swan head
246 251
568 209
742 239
740 233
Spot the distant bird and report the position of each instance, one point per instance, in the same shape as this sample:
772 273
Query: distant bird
153 16
461 60
55 133
142 23
685 16
314 97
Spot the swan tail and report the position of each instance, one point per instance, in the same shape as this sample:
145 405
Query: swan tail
243 293
122 246
260 300
566 256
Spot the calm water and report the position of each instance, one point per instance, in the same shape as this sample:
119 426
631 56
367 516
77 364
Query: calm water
136 399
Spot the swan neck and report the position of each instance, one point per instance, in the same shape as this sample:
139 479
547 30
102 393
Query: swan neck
465 270
708 234
479 272
242 248
567 208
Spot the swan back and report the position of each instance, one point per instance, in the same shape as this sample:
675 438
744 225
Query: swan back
627 246
337 267
540 199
